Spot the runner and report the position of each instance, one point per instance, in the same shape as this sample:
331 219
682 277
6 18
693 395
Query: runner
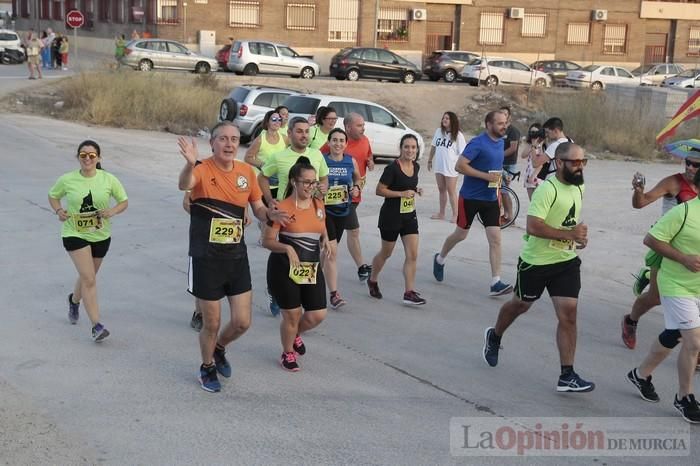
343 179
360 149
293 275
270 141
222 188
674 189
283 111
278 164
554 135
398 186
675 238
511 144
549 260
448 143
326 118
481 164
86 230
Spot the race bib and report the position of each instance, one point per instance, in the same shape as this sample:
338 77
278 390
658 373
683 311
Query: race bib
226 230
408 205
562 244
305 274
87 222
337 195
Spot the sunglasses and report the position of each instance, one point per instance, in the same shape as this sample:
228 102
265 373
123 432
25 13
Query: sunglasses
84 155
276 119
689 163
576 162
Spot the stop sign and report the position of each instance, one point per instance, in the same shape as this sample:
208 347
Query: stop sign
75 19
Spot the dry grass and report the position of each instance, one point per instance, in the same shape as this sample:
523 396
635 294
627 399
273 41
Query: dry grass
158 101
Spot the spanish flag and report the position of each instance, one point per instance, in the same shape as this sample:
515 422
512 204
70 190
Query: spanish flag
689 110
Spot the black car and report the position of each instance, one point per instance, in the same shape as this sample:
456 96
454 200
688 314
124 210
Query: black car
372 63
557 69
447 64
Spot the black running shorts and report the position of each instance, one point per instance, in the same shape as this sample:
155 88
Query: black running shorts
489 211
288 294
408 226
562 279
98 249
335 226
213 279
351 221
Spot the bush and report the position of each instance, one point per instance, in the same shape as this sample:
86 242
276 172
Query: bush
158 101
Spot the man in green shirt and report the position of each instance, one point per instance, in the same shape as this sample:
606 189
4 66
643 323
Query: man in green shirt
549 260
675 238
279 164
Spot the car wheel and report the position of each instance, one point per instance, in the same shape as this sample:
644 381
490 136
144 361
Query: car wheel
307 73
145 65
228 110
202 68
353 75
596 86
540 82
492 81
251 69
450 76
432 77
409 78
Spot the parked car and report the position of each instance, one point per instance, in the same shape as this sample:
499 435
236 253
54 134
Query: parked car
9 39
556 69
247 104
147 54
447 64
372 63
383 128
251 57
652 75
495 70
222 57
599 76
688 78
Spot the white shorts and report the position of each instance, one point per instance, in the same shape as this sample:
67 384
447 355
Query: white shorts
681 313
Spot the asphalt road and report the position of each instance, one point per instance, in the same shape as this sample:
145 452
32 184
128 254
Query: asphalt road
380 382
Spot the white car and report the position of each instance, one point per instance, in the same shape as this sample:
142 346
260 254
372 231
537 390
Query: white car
599 76
495 70
10 40
383 128
251 57
688 78
653 75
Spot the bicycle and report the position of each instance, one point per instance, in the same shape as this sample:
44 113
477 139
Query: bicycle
514 201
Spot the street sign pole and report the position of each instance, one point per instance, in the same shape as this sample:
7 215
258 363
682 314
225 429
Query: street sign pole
75 41
75 20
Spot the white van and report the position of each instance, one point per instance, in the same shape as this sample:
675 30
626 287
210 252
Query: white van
382 127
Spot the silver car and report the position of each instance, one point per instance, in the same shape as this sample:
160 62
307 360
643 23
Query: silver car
258 56
147 54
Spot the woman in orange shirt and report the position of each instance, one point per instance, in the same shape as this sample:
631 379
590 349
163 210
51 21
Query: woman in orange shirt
294 276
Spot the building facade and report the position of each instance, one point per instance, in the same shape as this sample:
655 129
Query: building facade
620 31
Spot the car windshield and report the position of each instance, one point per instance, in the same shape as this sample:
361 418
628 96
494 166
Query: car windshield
476 61
590 68
301 104
287 52
8 36
642 70
688 74
239 94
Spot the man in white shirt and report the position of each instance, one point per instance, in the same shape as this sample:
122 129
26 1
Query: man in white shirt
554 134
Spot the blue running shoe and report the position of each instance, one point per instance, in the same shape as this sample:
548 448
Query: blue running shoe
222 365
73 310
208 379
499 288
99 333
571 382
438 270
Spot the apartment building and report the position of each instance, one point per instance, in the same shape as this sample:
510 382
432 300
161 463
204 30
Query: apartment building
621 31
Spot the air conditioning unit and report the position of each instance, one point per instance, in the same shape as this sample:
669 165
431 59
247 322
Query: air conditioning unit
419 14
599 15
516 13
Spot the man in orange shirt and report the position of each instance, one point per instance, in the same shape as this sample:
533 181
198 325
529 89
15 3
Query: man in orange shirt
221 189
360 150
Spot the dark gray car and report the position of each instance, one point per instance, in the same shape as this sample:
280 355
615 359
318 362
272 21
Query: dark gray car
447 64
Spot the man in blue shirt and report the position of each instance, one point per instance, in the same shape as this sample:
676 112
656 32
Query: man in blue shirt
481 164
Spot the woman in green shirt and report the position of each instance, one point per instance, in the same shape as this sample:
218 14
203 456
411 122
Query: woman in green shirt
326 118
86 227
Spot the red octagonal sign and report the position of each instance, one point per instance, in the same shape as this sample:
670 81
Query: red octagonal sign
75 19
